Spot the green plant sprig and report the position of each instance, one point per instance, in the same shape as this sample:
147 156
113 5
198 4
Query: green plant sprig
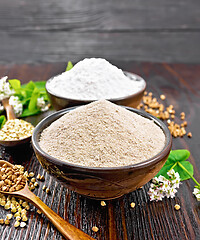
69 66
177 161
28 95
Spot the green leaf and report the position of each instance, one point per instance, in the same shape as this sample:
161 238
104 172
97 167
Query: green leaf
28 89
183 174
15 84
32 106
30 85
69 66
179 155
2 121
27 112
177 159
41 85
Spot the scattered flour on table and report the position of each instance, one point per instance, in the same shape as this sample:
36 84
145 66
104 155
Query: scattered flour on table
94 79
102 134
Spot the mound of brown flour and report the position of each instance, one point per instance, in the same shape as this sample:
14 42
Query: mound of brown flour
102 134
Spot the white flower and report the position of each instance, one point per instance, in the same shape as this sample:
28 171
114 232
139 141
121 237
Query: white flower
171 193
17 105
162 187
5 90
198 197
196 192
176 183
151 186
41 104
155 180
161 178
171 173
166 185
155 195
177 176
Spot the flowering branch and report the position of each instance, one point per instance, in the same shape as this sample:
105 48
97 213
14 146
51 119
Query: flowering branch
162 187
177 161
27 99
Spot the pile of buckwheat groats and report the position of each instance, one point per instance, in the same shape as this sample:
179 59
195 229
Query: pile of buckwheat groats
13 179
16 129
151 105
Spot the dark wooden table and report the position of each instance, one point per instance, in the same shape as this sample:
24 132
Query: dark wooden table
53 30
117 220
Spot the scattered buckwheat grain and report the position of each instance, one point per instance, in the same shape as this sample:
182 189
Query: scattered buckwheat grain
22 224
95 229
189 134
177 207
17 223
152 106
132 204
162 97
103 203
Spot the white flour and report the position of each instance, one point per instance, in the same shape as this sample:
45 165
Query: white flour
94 79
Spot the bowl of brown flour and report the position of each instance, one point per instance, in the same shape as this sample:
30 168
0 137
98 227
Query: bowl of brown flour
102 150
92 79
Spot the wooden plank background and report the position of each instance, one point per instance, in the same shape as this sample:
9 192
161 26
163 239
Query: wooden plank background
117 220
38 37
56 31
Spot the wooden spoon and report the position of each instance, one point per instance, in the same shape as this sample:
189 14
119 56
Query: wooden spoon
10 116
66 229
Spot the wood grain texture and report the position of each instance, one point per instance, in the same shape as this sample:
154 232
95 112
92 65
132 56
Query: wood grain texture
97 15
55 31
117 220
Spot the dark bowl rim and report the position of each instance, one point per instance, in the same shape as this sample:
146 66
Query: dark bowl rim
54 116
110 99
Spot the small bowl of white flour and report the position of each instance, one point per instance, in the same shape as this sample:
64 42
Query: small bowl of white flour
93 79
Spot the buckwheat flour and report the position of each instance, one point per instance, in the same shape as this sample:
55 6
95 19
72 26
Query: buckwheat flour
94 79
102 134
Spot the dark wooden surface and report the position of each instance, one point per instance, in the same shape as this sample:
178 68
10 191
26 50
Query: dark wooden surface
117 220
57 30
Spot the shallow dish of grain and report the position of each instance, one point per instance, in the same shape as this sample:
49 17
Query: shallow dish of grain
93 79
116 163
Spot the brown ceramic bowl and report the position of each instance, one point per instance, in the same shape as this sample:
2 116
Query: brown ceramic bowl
132 100
101 183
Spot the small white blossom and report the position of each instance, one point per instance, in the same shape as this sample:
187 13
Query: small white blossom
177 176
162 187
196 192
161 178
5 90
171 173
176 183
155 180
166 185
17 105
171 193
155 195
41 104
